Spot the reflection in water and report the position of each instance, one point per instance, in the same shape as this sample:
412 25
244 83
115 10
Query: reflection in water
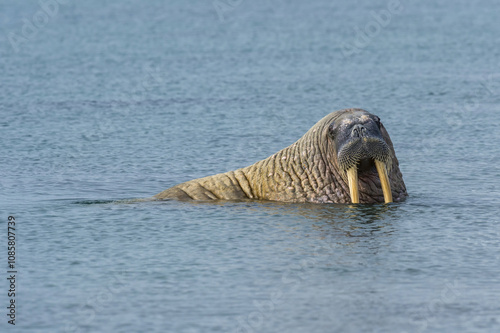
362 217
316 229
344 236
329 212
357 220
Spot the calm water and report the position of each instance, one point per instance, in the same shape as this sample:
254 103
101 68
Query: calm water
106 101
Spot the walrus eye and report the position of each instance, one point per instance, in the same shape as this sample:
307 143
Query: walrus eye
331 130
377 120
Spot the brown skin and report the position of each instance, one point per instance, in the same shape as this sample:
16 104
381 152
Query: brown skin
309 170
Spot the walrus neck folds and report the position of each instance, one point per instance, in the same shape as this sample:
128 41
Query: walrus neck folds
311 170
299 173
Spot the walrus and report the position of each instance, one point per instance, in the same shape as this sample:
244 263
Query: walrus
347 157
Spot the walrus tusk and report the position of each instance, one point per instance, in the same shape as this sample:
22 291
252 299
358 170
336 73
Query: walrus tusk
352 177
384 180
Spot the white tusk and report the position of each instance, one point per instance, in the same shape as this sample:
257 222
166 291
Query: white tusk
384 180
352 177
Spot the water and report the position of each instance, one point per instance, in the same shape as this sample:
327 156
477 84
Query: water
110 101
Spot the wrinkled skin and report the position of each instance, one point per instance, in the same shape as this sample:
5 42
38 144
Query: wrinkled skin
313 169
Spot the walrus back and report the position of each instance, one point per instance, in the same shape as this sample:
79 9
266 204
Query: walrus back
232 185
273 178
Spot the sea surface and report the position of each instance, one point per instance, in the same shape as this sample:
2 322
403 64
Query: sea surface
103 102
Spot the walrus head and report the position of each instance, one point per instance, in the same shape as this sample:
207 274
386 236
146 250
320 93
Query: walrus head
364 156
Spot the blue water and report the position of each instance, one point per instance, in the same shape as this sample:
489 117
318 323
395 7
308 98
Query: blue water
107 101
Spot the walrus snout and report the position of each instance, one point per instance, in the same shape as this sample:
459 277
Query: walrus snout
359 155
359 151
